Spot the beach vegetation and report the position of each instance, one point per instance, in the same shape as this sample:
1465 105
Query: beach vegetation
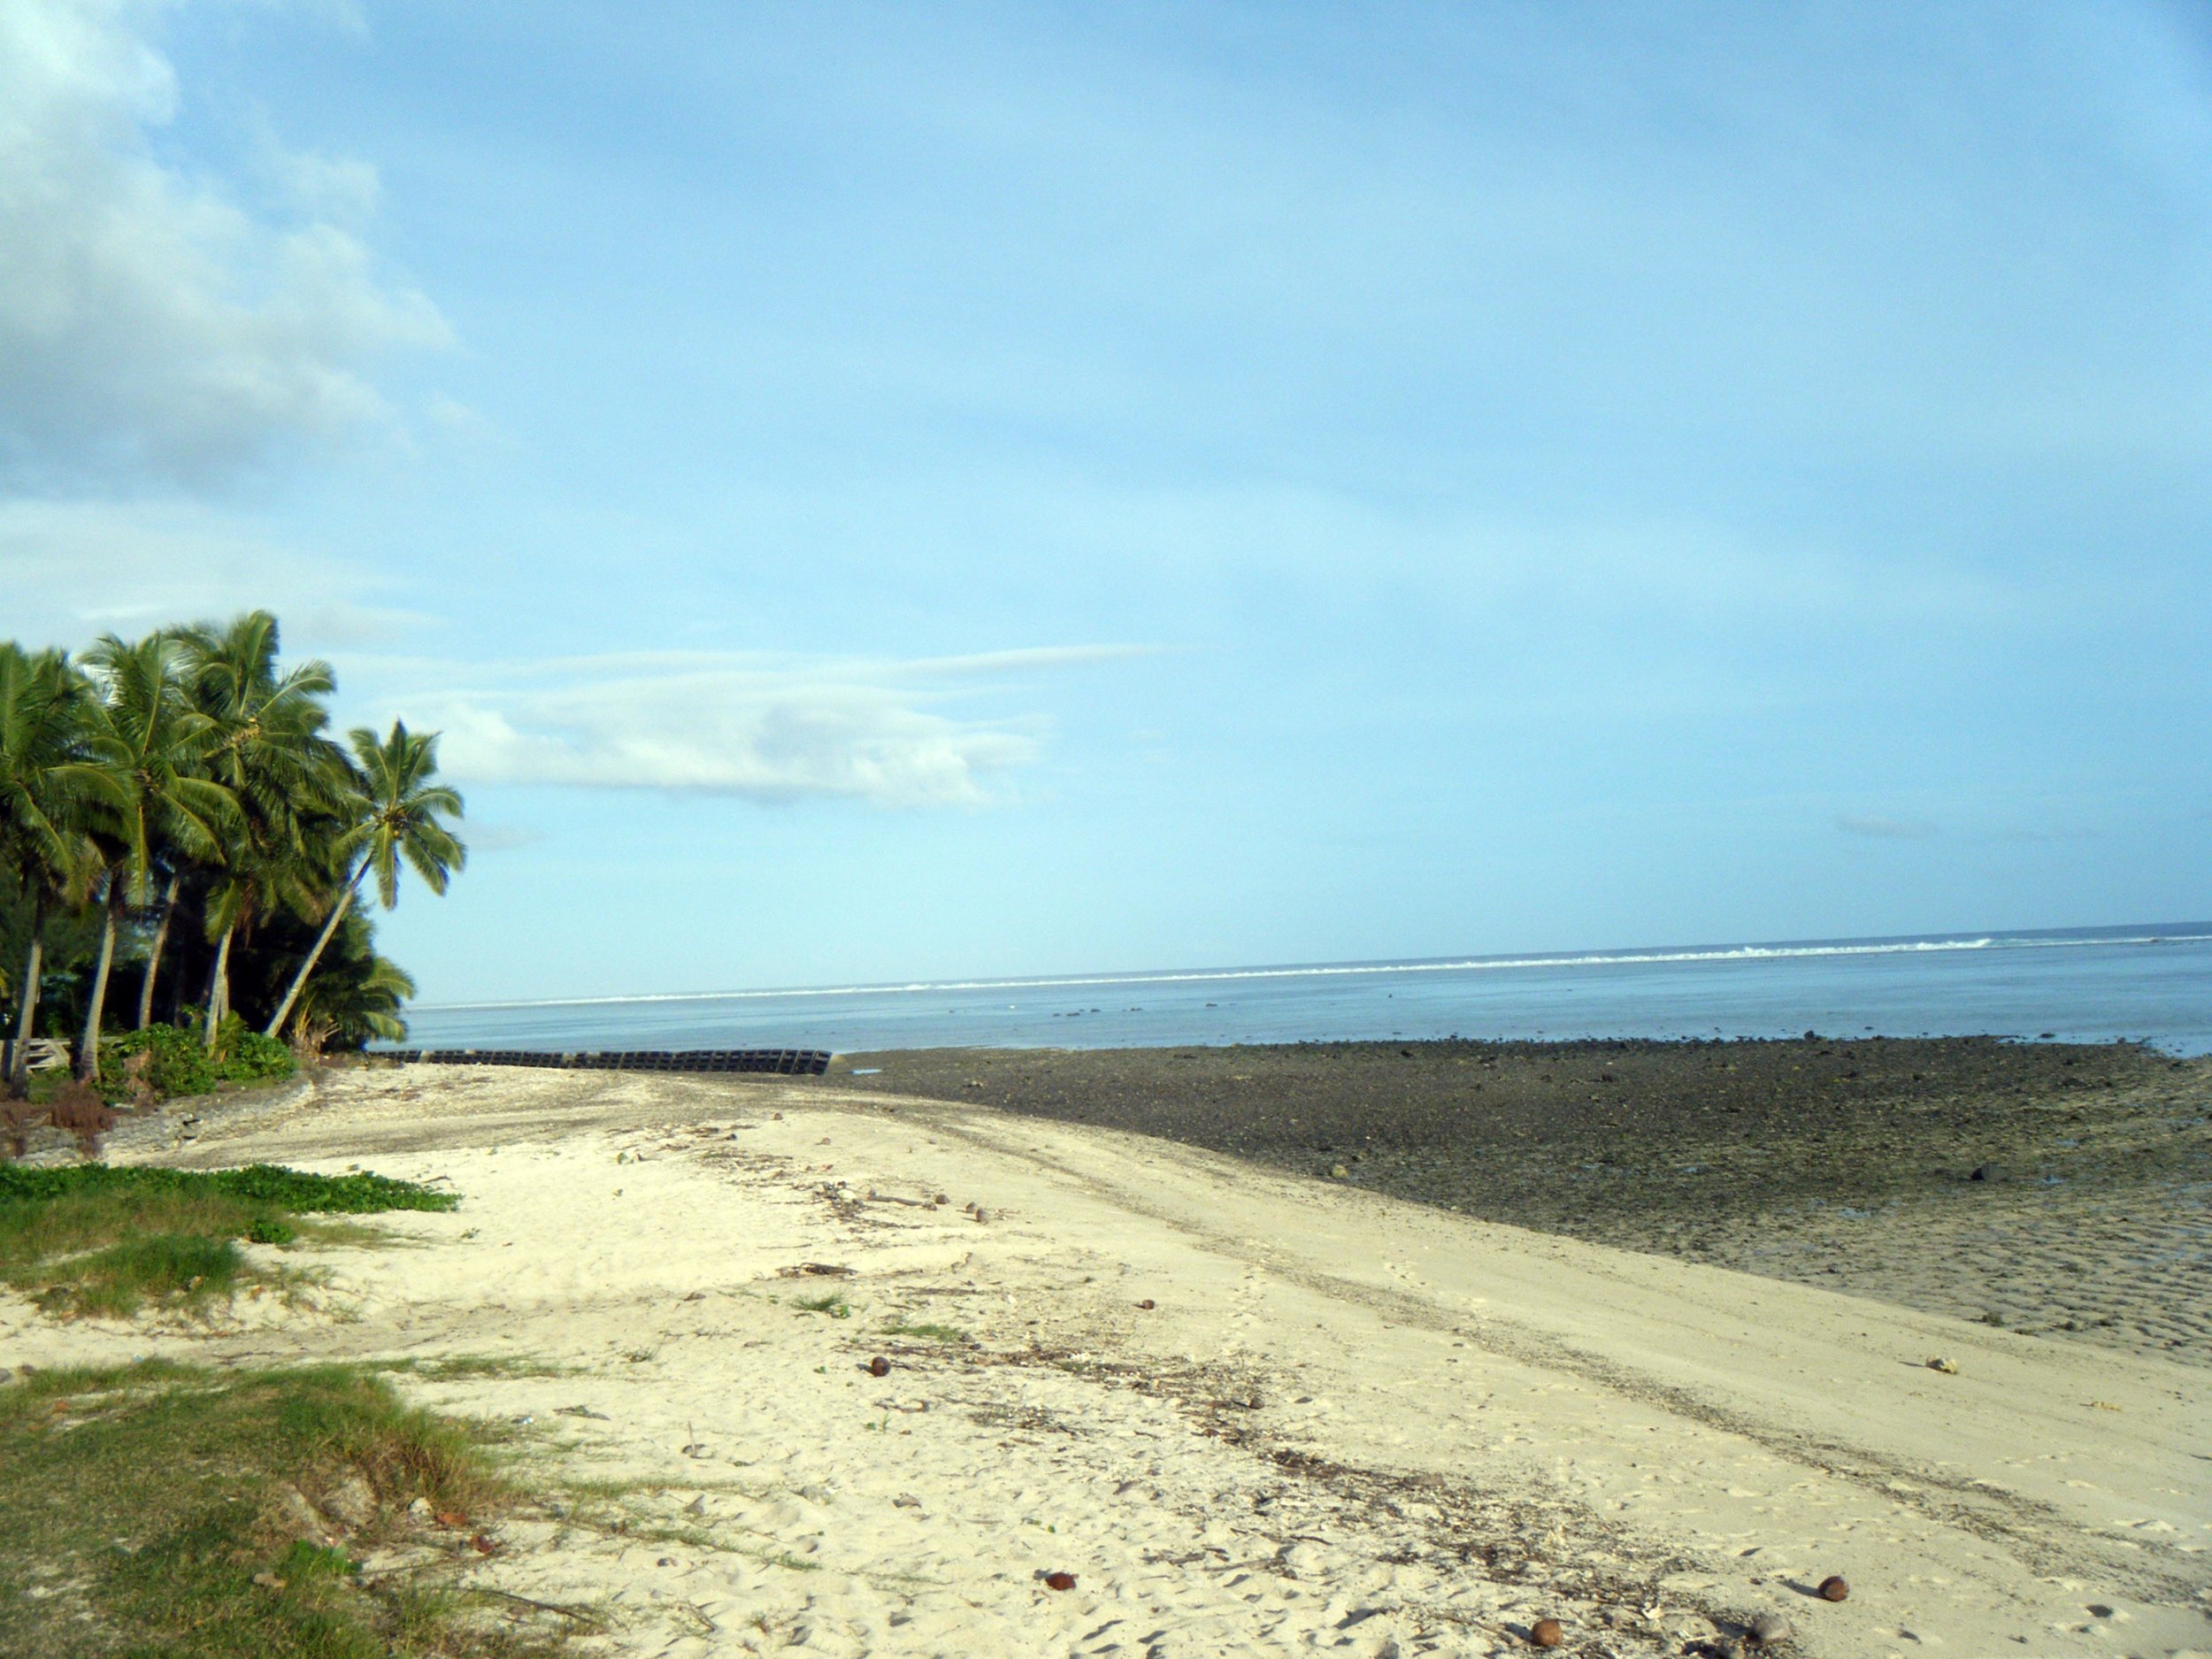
834 1304
183 849
91 1239
162 1508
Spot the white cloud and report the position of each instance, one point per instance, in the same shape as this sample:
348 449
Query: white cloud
151 328
763 728
72 570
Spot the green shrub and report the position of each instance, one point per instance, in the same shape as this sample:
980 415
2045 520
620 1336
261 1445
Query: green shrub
176 1064
269 1230
180 1063
249 1057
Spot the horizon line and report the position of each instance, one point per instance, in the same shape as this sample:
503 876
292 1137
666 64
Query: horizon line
1962 940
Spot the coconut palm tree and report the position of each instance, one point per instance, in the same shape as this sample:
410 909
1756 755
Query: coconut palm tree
43 704
146 779
397 812
272 755
354 995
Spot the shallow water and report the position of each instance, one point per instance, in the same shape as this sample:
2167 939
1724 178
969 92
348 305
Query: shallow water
2151 983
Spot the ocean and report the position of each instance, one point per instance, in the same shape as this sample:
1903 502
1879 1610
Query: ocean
2150 983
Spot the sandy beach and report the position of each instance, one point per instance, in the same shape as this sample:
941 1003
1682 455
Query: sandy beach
1248 1409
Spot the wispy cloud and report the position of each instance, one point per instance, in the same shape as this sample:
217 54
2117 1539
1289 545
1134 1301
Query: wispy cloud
765 728
72 570
151 327
1885 829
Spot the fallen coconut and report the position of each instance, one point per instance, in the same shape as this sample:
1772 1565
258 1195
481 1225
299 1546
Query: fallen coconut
1834 1589
878 1366
1059 1581
1545 1633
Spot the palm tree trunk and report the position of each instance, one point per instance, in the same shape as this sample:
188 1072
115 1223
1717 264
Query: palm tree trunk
19 1060
337 915
218 984
153 958
89 1050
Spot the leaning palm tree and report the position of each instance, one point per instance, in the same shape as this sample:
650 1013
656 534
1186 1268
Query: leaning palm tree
397 812
43 703
147 750
271 754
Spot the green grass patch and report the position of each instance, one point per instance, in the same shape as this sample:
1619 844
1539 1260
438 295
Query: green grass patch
142 1512
467 1367
96 1238
832 1304
927 1332
268 1184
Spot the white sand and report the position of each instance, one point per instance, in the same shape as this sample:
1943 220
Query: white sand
1350 1424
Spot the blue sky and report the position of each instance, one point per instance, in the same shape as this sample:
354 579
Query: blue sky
873 493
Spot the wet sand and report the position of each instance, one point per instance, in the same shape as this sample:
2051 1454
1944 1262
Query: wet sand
2055 1189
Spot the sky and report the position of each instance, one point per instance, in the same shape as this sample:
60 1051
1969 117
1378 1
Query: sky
877 493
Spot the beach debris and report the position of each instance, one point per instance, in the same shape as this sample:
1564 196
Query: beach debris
665 1560
1832 1588
697 1506
1769 1629
906 1500
979 1213
941 1198
483 1544
878 1366
1148 1304
268 1581
1947 1367
815 1270
694 1449
418 1509
581 1411
1990 1173
1338 1172
452 1517
1545 1633
1059 1581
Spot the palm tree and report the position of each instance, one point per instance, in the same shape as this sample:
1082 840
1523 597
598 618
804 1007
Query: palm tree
147 750
272 757
397 813
42 709
354 995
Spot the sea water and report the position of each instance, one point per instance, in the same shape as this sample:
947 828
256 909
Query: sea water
2151 983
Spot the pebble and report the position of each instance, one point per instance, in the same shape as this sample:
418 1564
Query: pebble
1833 1589
1769 1628
1944 1365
